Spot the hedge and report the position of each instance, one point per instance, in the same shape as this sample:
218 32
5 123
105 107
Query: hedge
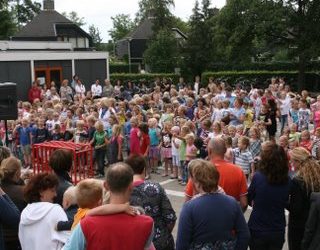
123 68
142 77
262 78
269 66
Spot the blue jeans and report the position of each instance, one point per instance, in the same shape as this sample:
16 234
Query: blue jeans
99 158
284 121
185 173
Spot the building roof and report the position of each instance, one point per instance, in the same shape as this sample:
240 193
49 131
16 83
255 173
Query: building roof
142 31
43 25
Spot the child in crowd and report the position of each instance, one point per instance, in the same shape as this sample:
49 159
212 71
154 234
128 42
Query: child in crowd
91 120
243 157
80 134
25 139
204 136
166 144
294 111
228 156
248 118
304 115
154 134
182 153
41 133
315 142
115 145
88 195
99 142
255 142
175 151
294 134
145 145
233 134
191 153
306 140
57 135
134 137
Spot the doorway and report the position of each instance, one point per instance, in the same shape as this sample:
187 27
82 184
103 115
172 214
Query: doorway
46 75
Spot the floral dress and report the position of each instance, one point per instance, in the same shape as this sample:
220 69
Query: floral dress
153 199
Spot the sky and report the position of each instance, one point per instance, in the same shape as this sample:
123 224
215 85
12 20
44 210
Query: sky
99 12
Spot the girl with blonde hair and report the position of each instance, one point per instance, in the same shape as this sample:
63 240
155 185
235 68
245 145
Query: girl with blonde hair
305 182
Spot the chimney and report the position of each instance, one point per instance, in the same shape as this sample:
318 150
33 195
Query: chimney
48 4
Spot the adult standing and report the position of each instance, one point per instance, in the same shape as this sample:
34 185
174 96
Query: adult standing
61 162
108 89
117 231
9 215
80 90
66 91
196 86
96 89
306 181
34 92
268 195
106 110
154 200
39 218
232 178
210 220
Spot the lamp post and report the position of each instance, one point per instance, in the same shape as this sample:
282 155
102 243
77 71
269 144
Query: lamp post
129 53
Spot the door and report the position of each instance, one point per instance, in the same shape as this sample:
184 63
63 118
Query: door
46 75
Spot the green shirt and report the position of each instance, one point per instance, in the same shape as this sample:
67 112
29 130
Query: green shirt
182 150
99 138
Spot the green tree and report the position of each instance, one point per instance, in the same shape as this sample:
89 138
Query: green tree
7 23
198 52
159 10
25 11
94 32
75 18
162 52
122 26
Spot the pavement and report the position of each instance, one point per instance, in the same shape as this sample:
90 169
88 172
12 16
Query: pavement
175 192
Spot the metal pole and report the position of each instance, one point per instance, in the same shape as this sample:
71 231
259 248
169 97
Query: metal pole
129 55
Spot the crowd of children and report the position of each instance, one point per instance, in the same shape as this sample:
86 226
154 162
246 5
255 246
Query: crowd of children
171 125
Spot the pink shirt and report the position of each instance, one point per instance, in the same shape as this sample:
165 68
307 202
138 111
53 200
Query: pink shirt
134 141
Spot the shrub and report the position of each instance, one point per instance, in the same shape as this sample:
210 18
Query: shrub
123 68
261 79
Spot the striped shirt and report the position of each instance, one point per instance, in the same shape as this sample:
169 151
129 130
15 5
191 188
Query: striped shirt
243 159
255 148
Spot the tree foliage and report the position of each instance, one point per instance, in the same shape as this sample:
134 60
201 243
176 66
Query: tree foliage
198 51
162 53
75 18
122 26
26 10
159 10
95 34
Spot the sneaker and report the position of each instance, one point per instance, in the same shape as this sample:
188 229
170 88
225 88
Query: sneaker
183 183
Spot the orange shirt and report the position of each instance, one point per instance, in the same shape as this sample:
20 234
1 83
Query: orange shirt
232 180
81 213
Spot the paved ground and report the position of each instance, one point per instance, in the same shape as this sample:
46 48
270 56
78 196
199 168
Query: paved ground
176 196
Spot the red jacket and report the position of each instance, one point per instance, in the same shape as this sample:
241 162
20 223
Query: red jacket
34 93
117 232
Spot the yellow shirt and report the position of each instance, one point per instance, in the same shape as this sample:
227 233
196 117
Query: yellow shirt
78 216
248 120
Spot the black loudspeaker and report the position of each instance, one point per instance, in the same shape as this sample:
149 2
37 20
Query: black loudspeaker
8 101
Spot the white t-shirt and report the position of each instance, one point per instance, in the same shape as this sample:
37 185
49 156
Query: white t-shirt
96 90
175 151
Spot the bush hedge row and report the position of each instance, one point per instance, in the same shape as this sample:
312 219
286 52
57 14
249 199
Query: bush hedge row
123 68
269 66
262 78
142 77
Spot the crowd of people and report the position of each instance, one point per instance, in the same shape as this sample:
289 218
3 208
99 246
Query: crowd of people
231 147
